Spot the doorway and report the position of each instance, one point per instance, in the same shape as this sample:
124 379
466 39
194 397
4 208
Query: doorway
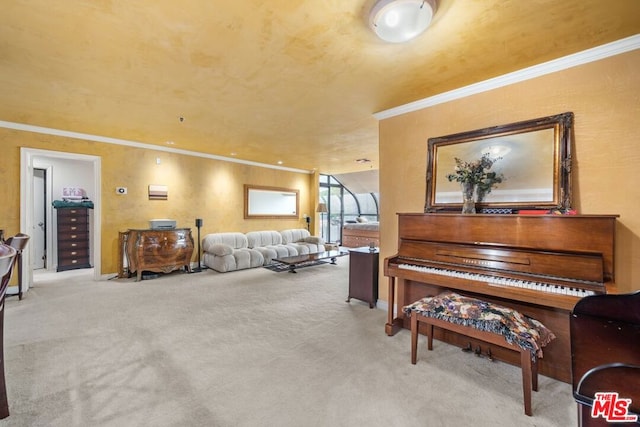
39 232
54 163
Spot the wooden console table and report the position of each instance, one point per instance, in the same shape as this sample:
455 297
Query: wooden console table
161 251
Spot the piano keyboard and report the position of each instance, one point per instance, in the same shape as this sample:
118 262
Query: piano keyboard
501 281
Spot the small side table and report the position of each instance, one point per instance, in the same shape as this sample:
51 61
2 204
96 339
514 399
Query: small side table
363 275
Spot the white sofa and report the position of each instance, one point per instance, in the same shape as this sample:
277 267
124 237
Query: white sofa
269 243
224 252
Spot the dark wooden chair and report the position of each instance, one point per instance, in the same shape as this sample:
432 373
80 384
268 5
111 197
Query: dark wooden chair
19 243
7 261
605 354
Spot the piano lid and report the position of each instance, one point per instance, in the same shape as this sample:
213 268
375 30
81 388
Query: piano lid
577 267
569 234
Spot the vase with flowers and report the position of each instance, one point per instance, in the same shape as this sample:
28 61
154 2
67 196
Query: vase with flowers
476 180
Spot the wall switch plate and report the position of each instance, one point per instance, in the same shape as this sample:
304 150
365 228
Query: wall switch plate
121 190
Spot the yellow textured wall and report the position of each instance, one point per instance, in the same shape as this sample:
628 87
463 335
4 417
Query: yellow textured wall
198 188
605 98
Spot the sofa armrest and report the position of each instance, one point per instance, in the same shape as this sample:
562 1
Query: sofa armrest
313 239
220 249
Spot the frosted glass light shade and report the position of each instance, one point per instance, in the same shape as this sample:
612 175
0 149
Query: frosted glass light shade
398 21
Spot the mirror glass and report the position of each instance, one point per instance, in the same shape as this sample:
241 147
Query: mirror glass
531 158
270 202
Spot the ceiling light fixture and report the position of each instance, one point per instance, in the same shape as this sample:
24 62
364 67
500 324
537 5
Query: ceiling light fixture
398 21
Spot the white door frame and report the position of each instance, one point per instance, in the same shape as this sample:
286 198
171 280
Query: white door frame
48 232
27 156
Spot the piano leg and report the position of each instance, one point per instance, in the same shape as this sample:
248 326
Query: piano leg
393 325
388 328
414 339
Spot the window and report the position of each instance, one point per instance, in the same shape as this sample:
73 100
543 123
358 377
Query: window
343 206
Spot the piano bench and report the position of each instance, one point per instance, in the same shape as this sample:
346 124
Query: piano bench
486 322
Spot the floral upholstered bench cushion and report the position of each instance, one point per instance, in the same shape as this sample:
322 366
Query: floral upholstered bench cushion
527 333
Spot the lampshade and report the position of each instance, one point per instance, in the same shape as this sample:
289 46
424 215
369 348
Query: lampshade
322 208
398 21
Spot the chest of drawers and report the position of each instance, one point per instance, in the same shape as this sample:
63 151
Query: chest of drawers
73 238
159 251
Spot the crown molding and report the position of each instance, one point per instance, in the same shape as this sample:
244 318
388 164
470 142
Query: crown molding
590 55
117 141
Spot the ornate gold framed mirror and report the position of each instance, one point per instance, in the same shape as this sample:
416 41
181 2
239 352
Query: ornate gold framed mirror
533 159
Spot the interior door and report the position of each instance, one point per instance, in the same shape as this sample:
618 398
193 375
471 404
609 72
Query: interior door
38 233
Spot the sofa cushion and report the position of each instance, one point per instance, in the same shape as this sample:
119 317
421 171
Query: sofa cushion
270 244
225 252
221 264
220 249
248 258
234 239
263 238
294 235
303 241
269 254
314 239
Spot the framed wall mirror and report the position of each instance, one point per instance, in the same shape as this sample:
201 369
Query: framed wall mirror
533 158
270 202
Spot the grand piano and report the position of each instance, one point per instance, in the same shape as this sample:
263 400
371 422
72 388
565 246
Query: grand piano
540 265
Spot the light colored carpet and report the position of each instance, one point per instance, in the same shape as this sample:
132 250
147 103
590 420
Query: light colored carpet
247 348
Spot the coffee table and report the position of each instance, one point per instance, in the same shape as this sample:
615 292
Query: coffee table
303 260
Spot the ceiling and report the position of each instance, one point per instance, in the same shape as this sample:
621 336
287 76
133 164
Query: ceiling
360 182
267 81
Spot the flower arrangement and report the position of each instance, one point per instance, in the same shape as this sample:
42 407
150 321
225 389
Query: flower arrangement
477 174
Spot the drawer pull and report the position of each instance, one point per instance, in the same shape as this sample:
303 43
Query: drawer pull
73 219
74 228
74 261
74 236
73 211
74 245
74 253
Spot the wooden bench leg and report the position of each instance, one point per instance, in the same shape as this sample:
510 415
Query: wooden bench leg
414 338
534 374
415 326
527 380
528 366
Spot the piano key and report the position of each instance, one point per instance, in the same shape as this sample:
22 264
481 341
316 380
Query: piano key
502 281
